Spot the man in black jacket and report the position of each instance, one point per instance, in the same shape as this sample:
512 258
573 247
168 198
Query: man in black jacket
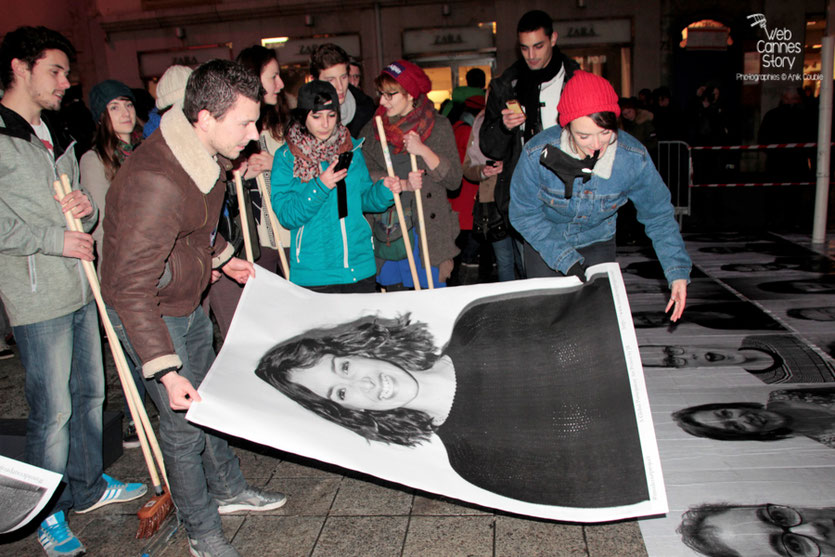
329 62
535 82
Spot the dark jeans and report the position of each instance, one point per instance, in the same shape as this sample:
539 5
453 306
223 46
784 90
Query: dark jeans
201 467
600 252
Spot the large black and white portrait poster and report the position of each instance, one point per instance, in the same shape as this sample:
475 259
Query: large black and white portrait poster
527 396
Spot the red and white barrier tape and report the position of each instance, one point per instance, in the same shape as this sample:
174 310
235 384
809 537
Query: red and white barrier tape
748 184
754 147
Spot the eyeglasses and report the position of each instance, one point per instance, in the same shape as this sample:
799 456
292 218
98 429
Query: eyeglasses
795 545
387 94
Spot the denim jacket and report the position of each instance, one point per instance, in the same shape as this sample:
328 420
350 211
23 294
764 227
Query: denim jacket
556 226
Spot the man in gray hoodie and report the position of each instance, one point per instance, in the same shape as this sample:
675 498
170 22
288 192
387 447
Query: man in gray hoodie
43 286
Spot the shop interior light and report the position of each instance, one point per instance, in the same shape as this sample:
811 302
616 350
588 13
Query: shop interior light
274 42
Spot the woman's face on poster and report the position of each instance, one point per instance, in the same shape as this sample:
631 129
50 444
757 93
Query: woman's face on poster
690 356
812 287
742 420
358 383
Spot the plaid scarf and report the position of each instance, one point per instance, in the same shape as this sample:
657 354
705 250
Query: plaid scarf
420 120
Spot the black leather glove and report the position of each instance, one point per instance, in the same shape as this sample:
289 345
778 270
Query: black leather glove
578 270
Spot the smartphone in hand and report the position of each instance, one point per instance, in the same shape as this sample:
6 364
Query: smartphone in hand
344 161
341 195
514 105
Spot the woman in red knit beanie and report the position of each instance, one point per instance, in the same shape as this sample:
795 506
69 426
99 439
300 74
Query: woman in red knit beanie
570 182
413 127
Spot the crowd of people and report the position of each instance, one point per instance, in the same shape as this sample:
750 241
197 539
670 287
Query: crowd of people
535 166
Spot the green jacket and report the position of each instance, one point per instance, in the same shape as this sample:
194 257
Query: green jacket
36 282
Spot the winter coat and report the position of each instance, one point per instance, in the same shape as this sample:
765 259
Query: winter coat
441 221
37 282
496 141
160 244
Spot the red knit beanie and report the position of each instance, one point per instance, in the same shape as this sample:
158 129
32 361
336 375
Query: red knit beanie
410 76
584 94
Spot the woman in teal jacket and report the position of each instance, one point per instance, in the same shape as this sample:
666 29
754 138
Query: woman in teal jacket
328 253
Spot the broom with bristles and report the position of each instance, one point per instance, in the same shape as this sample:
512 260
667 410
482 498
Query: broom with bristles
155 510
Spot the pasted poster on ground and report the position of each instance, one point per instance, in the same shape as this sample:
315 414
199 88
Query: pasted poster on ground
526 396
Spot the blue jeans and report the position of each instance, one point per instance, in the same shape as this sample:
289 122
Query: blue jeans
201 467
504 252
65 391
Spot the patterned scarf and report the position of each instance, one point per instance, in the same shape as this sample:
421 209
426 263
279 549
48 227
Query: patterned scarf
309 151
420 120
123 150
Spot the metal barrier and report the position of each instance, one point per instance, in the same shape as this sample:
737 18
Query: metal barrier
766 147
676 168
675 164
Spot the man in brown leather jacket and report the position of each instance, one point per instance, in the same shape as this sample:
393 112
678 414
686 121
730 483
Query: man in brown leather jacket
160 252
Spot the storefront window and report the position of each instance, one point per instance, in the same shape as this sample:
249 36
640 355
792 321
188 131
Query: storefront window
815 28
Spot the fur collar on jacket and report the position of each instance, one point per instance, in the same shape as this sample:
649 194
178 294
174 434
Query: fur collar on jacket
181 138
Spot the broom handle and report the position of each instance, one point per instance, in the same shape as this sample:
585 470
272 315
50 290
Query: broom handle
424 243
135 406
397 205
147 439
239 189
268 204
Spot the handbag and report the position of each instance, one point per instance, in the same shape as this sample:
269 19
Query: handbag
229 224
488 222
387 234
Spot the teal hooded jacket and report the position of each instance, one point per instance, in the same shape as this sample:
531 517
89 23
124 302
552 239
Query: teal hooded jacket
325 249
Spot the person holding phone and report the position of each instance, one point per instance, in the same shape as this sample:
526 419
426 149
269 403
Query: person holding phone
522 102
320 190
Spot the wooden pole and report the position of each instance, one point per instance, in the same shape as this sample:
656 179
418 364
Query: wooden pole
424 243
239 189
268 205
397 205
147 439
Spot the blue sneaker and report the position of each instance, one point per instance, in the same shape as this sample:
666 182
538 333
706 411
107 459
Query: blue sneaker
56 537
117 492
